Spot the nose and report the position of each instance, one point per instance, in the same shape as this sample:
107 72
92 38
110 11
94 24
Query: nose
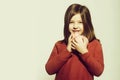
75 26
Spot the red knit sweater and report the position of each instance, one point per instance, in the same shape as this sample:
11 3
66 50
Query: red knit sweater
75 66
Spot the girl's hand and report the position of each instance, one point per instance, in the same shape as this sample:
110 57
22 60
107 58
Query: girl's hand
69 46
80 43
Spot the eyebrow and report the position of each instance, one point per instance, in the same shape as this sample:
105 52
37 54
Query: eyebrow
77 20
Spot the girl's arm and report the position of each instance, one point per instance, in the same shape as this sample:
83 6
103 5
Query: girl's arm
93 60
57 59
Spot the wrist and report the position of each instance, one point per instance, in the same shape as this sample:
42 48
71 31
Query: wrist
69 48
84 51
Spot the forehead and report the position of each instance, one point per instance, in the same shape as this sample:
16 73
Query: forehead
77 17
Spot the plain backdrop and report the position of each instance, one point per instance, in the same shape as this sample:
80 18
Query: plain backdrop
30 28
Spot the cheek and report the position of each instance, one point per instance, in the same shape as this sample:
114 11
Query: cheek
82 30
81 27
70 28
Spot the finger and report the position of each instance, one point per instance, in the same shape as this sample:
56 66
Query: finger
70 38
85 39
79 39
74 42
73 47
72 35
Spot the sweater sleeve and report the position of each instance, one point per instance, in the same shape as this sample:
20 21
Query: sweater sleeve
57 59
94 60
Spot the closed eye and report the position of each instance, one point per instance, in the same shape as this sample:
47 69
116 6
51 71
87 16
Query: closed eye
80 22
71 22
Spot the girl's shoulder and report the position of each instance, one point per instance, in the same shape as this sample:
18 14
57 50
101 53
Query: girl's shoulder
60 43
95 42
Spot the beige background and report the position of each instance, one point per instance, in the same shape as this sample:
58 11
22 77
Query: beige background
30 28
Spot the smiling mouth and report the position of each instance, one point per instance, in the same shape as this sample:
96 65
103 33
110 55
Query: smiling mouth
76 30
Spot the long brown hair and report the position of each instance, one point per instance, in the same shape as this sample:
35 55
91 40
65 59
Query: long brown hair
86 18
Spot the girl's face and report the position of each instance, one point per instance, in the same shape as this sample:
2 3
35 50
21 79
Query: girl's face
76 25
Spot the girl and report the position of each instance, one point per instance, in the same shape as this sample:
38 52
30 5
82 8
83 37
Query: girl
79 55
